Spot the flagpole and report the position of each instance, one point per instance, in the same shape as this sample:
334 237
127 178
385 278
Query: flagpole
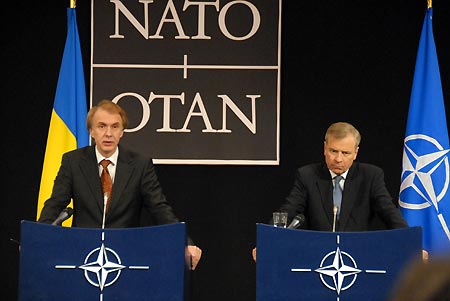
439 214
73 3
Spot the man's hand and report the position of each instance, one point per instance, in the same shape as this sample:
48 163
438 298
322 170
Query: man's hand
254 254
195 254
424 256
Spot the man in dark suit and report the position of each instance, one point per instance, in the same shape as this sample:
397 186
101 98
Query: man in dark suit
135 186
364 192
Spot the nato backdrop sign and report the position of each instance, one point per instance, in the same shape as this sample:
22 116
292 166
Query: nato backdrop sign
200 80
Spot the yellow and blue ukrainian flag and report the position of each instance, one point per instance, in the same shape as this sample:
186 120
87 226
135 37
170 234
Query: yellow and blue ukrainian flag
67 129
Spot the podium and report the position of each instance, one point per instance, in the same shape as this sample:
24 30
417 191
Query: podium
61 263
346 266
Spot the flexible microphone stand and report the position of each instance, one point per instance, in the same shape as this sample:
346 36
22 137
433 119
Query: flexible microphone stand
105 201
335 210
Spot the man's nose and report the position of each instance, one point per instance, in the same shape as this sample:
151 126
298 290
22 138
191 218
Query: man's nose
108 131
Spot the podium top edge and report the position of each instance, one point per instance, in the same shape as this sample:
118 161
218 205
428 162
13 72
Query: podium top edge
23 221
412 228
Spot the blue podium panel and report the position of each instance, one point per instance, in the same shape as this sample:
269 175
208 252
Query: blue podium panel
336 266
60 263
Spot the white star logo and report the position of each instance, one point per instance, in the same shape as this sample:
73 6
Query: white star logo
105 266
338 270
422 167
102 267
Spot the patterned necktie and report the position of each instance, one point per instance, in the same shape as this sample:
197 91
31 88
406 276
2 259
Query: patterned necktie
337 194
106 181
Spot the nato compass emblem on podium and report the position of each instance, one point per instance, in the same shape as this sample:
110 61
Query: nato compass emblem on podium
102 267
338 270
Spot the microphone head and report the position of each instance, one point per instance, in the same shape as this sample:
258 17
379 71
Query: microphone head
105 198
69 211
65 214
300 217
297 221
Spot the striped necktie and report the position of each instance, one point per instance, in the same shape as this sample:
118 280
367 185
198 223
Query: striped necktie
106 181
337 194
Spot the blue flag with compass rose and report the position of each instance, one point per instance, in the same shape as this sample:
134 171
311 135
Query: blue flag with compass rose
424 190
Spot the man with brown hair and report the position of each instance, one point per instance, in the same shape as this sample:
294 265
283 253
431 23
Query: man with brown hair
135 186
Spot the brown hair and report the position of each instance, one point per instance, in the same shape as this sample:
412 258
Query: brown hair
340 130
110 107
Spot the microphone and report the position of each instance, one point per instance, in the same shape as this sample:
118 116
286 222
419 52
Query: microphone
335 210
298 220
65 214
105 202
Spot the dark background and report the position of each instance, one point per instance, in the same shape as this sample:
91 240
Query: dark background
341 60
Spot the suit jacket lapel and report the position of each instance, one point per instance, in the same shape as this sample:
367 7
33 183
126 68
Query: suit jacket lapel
89 168
325 187
124 171
349 195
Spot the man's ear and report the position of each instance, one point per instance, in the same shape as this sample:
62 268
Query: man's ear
356 153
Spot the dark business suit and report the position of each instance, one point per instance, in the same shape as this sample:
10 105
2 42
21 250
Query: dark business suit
365 194
135 187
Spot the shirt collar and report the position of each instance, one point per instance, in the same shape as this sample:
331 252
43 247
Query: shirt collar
343 175
112 158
